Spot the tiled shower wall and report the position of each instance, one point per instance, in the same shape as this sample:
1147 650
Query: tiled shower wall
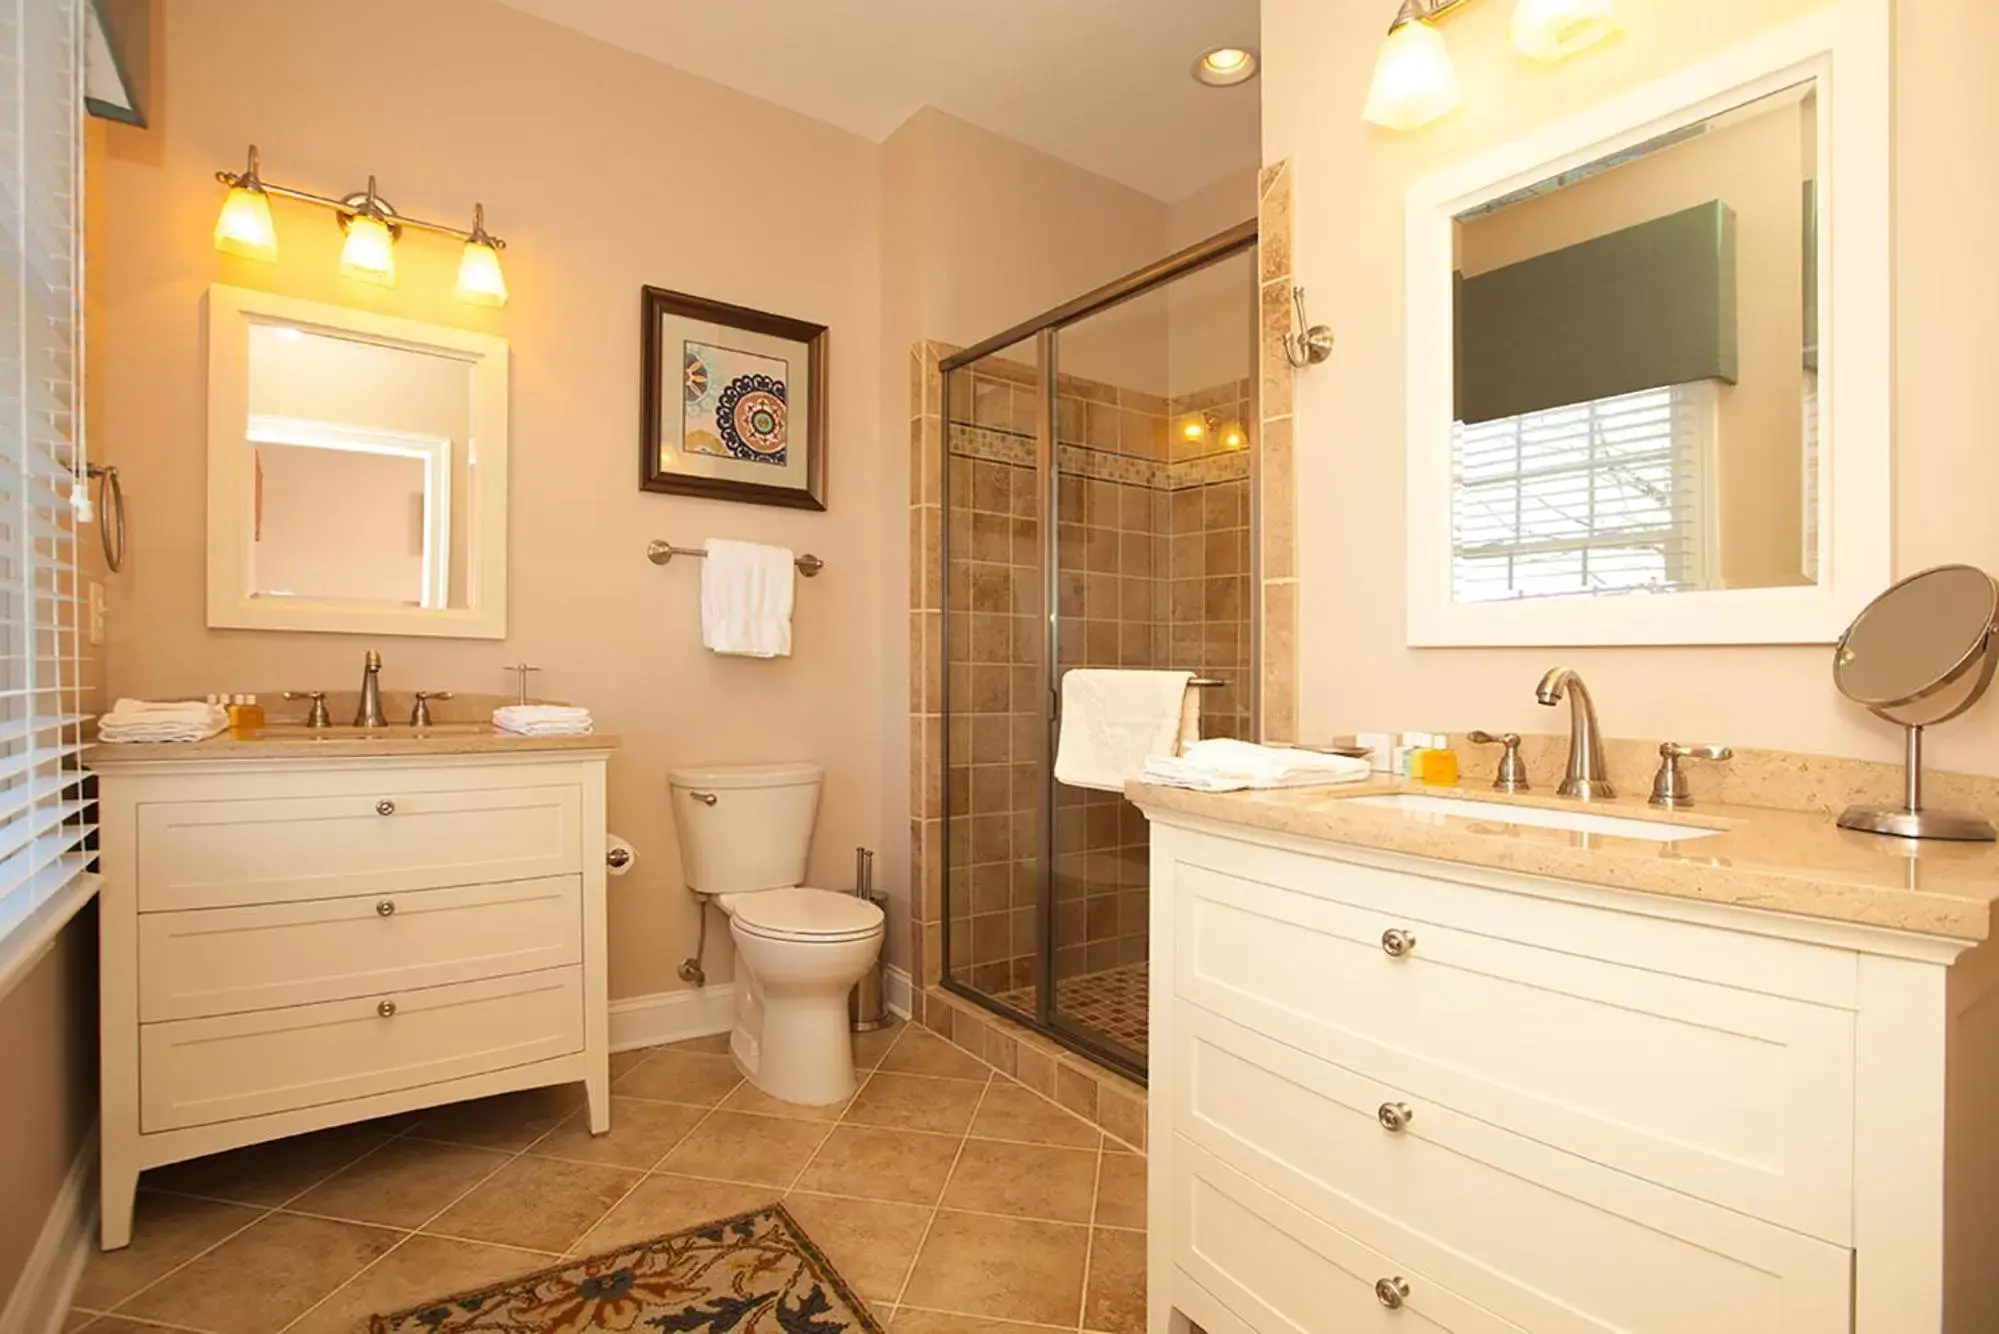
1152 568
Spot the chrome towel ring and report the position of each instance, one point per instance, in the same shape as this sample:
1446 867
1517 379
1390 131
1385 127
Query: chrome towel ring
110 514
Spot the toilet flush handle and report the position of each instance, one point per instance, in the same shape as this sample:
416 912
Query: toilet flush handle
705 798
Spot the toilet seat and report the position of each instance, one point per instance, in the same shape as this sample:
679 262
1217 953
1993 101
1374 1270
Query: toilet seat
803 914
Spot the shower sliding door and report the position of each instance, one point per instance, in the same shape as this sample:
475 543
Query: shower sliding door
1097 515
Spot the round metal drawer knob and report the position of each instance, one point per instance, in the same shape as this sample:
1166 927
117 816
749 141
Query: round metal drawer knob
1396 942
1392 1292
387 1009
1395 1116
386 908
385 807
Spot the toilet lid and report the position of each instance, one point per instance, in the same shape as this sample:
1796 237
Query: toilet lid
805 914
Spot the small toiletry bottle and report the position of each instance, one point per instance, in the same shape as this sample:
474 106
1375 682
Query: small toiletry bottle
249 713
1380 750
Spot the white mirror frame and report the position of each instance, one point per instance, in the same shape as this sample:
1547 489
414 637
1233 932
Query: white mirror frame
231 311
1845 48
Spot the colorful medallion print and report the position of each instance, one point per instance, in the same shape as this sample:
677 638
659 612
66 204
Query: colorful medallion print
734 404
756 1273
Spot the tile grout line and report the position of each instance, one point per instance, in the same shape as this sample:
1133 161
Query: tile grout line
1090 1238
930 1225
403 1240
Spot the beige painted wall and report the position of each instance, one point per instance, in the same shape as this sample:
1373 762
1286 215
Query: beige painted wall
1350 183
604 171
48 1047
1756 167
339 525
1211 334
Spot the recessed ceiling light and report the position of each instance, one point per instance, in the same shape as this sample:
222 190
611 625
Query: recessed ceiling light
1225 65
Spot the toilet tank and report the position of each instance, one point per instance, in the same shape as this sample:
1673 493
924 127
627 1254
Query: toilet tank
755 832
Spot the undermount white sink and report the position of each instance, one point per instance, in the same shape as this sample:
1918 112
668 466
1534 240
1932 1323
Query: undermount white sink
1580 822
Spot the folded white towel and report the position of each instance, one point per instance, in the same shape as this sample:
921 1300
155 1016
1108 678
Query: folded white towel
1223 765
1113 722
543 720
133 720
746 596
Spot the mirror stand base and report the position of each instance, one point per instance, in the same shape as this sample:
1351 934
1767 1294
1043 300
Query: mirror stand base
1959 826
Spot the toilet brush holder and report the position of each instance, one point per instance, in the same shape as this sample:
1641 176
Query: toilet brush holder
867 1006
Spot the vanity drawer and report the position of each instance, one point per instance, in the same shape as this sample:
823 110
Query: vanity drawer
1275 1268
199 1071
209 961
385 838
1724 1092
1539 1237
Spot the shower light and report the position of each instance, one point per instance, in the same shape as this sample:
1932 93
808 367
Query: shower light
1225 66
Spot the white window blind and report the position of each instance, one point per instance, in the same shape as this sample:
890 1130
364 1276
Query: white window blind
42 812
1602 497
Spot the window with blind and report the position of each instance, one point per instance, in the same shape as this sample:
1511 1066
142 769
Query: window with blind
43 815
1603 497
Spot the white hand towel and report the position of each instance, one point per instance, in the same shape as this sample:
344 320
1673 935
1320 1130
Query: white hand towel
543 720
133 720
1224 765
1113 722
746 596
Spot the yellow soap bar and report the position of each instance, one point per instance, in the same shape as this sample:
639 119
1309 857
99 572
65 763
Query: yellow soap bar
1436 766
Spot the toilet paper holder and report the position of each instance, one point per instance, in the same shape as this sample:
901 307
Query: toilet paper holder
618 858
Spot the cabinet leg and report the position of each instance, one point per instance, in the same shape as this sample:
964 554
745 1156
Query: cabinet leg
597 1084
117 1190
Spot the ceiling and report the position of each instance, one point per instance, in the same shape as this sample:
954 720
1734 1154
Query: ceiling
1103 84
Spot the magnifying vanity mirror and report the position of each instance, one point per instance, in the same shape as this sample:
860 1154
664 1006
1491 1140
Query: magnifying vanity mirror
1642 345
1920 654
357 471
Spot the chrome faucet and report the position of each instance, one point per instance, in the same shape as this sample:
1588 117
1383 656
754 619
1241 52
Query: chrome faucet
1588 777
369 714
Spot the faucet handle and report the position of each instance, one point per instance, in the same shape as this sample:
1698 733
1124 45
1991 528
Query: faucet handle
317 715
1669 785
420 715
1512 775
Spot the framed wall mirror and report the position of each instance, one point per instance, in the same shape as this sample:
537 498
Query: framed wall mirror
357 471
1649 360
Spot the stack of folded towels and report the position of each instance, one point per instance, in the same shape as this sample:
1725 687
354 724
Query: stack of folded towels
1230 766
542 720
144 720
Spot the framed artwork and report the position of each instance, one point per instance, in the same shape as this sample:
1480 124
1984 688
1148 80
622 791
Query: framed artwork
733 402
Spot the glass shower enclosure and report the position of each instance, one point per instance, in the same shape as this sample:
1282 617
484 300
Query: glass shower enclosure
1098 465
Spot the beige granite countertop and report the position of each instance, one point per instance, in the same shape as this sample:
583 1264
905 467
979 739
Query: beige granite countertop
1784 861
294 741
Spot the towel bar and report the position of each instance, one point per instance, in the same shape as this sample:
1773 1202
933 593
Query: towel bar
659 553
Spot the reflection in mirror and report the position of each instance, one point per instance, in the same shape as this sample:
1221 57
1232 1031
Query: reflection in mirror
363 471
1637 369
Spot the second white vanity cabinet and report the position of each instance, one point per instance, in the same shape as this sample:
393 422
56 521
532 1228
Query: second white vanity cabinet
317 933
1396 1093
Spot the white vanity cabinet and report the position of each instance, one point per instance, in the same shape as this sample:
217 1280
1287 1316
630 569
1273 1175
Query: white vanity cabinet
292 943
1393 1093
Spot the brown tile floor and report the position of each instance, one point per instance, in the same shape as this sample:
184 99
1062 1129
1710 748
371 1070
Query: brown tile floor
952 1199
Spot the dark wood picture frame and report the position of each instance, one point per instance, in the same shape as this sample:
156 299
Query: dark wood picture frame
656 302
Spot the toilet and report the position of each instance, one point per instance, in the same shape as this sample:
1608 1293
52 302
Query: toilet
744 831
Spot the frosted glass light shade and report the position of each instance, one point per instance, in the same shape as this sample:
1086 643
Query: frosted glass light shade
243 227
480 280
1414 80
1550 30
370 251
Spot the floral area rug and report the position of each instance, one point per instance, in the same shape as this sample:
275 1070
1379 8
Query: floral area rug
756 1273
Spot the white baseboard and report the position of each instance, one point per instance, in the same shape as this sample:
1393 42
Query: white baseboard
897 991
42 1294
669 1016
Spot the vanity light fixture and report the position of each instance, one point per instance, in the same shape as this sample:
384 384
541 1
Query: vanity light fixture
1225 66
1415 81
372 225
244 226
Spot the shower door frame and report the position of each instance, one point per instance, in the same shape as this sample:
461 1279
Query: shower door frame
1045 330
